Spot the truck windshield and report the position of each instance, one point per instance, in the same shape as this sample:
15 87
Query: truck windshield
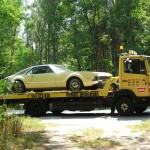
148 58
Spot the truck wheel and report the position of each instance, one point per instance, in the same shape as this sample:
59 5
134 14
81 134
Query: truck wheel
140 109
18 87
125 106
74 84
35 109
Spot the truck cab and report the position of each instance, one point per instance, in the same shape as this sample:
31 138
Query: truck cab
134 74
134 84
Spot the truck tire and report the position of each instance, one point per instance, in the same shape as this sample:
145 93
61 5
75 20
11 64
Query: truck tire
125 106
35 109
140 109
74 83
57 112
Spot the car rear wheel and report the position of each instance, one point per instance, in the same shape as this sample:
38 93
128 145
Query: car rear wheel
18 87
74 84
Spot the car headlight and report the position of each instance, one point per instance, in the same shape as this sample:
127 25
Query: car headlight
104 77
96 78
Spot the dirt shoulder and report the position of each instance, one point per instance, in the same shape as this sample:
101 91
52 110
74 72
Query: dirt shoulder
60 129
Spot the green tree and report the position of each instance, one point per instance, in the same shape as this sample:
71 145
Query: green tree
10 15
86 35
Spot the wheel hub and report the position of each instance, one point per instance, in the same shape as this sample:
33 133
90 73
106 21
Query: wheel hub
18 87
75 85
124 107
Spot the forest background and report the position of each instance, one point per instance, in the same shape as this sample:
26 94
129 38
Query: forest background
79 34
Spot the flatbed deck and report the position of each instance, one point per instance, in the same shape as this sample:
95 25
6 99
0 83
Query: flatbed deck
38 103
61 94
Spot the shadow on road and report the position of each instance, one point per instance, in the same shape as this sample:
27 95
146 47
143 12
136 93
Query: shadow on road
97 114
105 114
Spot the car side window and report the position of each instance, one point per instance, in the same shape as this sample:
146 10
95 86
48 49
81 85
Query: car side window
40 70
134 66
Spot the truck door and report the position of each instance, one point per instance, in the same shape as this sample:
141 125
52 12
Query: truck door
134 77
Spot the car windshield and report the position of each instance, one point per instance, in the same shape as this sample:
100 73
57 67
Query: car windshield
59 69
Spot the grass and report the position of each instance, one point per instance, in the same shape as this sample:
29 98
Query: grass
143 127
32 124
91 137
20 133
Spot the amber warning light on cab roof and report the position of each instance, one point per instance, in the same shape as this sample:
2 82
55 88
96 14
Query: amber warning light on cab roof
121 48
131 52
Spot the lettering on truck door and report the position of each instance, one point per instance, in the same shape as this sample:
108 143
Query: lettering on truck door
135 78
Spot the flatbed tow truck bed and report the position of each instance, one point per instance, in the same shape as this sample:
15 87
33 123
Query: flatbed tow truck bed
38 103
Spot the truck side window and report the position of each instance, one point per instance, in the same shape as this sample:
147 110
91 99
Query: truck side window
134 66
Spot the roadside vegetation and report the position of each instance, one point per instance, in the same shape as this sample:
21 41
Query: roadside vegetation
19 132
82 35
92 138
143 128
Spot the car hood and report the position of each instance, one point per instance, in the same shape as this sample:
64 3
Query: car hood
97 73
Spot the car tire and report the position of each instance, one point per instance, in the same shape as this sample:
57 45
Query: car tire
18 87
74 84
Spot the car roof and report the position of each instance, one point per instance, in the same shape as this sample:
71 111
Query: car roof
46 65
28 68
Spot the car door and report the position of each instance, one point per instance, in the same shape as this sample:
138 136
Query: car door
41 77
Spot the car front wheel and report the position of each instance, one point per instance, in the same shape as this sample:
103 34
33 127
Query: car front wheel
74 84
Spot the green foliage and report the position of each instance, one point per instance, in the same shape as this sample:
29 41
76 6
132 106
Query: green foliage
83 35
12 125
105 65
5 89
10 16
3 113
16 134
15 131
5 86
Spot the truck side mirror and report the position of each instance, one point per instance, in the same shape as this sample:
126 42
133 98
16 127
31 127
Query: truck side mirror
143 71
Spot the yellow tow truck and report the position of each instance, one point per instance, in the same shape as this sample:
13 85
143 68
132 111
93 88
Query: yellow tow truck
130 93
